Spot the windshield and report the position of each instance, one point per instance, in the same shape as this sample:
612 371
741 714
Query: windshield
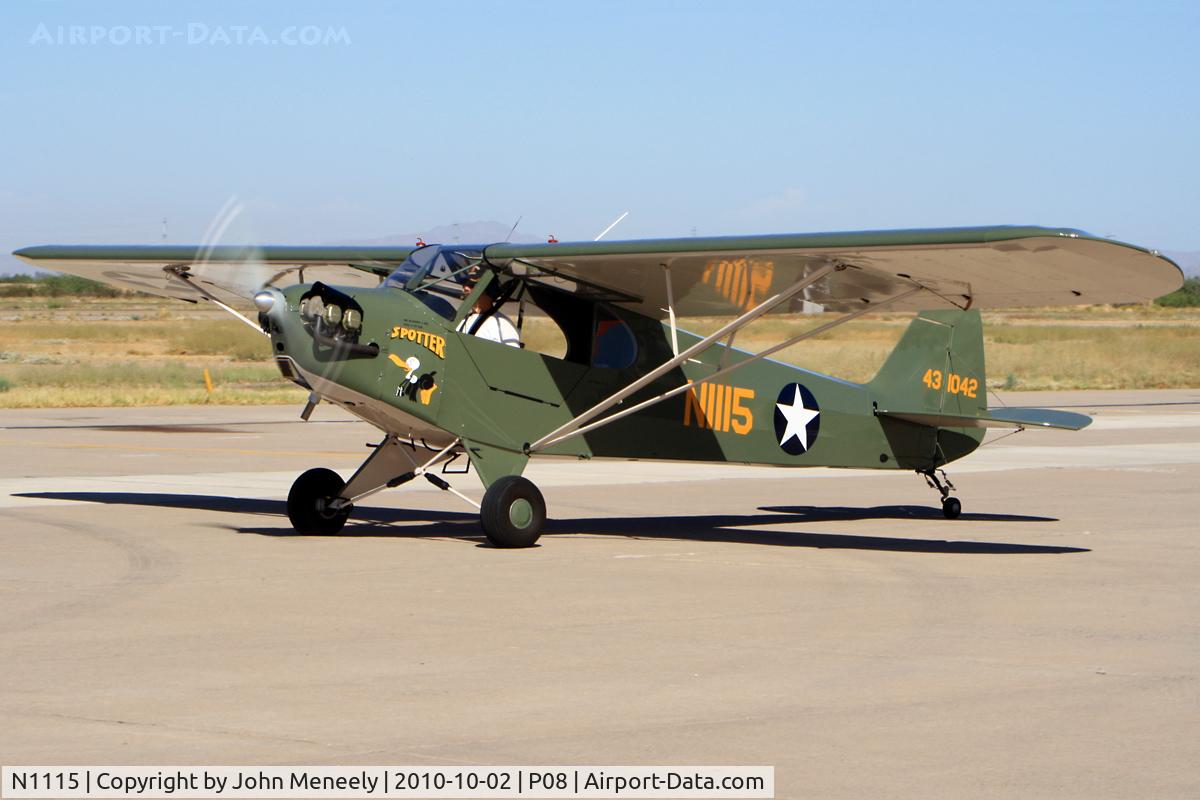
431 265
435 270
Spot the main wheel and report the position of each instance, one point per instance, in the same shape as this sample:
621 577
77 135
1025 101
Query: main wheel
951 507
308 503
512 512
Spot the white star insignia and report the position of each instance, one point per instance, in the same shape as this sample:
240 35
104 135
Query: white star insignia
797 417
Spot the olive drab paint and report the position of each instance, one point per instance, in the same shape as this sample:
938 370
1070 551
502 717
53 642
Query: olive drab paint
502 397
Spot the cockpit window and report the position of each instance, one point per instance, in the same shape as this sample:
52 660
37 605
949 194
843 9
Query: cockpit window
416 266
434 270
613 344
430 266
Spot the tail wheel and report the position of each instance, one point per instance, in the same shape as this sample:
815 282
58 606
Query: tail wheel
309 503
513 512
951 507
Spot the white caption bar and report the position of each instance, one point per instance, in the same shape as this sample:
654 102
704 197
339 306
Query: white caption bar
398 781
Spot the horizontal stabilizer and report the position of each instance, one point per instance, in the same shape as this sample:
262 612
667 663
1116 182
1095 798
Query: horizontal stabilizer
996 418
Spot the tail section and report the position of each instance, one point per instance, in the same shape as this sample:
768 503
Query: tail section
931 398
935 373
937 366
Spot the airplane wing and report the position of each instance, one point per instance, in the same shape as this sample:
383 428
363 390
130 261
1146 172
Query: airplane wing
996 267
231 274
991 267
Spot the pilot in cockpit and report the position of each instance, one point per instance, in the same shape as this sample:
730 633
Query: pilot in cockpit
495 325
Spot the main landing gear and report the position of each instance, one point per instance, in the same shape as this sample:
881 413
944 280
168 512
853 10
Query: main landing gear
951 506
311 503
512 514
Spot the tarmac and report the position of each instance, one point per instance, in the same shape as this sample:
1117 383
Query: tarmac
158 609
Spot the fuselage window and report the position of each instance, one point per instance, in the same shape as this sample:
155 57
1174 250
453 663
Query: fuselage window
613 343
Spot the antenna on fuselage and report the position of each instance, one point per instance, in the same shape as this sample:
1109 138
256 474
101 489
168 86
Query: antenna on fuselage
513 229
610 227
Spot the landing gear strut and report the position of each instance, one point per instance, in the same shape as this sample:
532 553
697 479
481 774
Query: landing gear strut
512 513
951 506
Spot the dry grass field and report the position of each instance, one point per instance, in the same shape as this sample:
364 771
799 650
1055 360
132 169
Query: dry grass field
86 351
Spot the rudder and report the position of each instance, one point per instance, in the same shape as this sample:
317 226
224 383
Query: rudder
936 367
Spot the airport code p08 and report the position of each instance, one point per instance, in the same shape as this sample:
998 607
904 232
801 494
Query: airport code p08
388 781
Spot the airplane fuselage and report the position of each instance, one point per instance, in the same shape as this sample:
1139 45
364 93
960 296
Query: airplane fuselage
430 382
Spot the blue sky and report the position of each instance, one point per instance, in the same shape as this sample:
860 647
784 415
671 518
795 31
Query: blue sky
718 117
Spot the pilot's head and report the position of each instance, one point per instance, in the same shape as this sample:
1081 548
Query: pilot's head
484 303
486 299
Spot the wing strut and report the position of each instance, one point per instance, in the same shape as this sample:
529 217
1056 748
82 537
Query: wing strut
745 319
568 432
671 309
180 274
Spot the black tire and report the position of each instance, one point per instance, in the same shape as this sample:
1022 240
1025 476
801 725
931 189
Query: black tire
512 513
308 500
951 507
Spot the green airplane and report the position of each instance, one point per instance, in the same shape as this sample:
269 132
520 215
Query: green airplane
424 343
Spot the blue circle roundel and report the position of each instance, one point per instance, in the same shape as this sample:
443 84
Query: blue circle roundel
797 419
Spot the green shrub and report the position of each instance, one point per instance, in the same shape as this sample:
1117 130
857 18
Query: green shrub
54 286
1186 296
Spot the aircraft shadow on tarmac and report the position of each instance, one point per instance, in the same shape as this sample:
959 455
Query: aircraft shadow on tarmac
421 523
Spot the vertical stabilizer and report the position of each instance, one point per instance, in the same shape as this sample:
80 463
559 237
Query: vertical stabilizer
936 368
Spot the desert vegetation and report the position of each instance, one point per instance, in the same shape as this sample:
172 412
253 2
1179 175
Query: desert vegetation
68 343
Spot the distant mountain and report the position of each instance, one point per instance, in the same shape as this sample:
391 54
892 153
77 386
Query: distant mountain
458 232
1189 261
